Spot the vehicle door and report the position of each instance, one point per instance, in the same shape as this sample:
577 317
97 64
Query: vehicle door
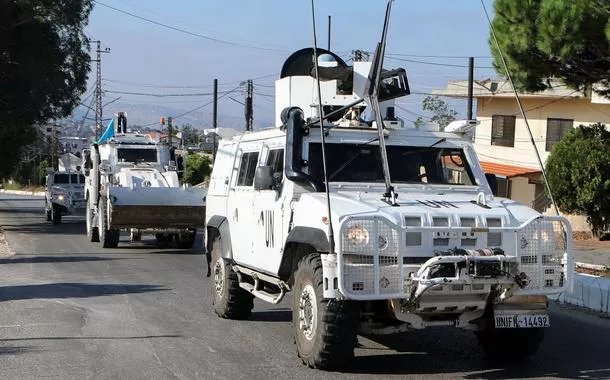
240 202
269 211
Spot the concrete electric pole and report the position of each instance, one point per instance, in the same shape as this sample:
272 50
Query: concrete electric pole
249 110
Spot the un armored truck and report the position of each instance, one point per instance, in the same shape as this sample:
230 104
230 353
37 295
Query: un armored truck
64 194
132 185
298 209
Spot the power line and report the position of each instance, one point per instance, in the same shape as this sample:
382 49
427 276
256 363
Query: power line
197 108
439 56
218 40
157 95
437 63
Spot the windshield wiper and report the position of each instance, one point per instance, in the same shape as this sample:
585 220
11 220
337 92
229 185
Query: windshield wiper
438 142
351 159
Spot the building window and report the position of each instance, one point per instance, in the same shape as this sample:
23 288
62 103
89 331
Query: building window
555 130
247 168
503 130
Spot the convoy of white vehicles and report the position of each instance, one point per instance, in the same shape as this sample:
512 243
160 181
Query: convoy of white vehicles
375 227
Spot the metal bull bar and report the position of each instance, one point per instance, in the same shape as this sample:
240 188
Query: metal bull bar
535 259
156 208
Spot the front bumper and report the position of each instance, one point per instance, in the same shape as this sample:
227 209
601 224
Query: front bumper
540 249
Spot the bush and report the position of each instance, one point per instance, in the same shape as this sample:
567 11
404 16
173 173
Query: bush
578 170
198 168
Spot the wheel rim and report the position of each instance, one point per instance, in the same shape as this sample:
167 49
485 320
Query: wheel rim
219 275
308 312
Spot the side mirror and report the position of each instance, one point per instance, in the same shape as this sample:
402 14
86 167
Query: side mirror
493 182
87 163
263 178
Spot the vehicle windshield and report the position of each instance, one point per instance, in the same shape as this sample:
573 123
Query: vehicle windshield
408 164
61 178
137 155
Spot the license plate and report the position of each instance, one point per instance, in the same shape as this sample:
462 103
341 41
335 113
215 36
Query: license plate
508 321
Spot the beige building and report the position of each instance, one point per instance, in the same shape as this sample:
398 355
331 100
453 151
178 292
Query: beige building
502 140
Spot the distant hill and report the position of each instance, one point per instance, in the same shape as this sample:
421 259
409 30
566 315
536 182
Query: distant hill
149 114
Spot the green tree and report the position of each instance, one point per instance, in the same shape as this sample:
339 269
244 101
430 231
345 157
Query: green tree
442 115
42 171
198 168
44 62
190 135
543 39
578 170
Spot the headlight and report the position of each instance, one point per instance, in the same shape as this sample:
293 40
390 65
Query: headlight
60 197
369 235
382 242
357 235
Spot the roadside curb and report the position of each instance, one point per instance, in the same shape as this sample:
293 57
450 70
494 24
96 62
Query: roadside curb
23 192
591 292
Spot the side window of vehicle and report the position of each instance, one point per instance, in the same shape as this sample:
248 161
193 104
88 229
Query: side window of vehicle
247 167
275 159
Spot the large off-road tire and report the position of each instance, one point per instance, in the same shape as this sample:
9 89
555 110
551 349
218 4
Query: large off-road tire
509 345
56 214
229 300
109 238
92 231
325 330
186 240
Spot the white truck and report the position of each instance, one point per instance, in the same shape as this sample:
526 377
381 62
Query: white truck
402 232
132 184
64 194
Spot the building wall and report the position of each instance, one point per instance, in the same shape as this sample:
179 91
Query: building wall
522 191
582 111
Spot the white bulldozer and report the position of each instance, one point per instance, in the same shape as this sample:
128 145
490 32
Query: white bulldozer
132 184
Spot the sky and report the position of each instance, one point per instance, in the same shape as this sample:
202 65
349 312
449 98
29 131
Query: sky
236 40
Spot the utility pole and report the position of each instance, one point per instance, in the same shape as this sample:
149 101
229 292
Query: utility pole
470 82
215 118
169 131
249 110
98 87
328 32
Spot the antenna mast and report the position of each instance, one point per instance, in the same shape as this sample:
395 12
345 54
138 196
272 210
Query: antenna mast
373 96
331 237
527 124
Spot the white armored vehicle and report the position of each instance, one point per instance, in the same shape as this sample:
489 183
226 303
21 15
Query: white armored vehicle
132 184
64 194
375 227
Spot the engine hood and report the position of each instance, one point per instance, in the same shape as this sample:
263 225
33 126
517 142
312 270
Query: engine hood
425 205
141 177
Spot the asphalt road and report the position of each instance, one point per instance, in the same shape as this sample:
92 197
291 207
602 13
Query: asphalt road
71 310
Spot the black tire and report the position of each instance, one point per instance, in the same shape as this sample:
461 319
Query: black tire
186 240
109 238
92 231
509 345
228 299
48 214
326 335
56 214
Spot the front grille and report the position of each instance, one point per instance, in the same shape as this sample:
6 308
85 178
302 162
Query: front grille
542 247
